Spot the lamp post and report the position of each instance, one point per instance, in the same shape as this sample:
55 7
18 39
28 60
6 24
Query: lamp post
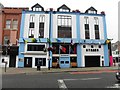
49 40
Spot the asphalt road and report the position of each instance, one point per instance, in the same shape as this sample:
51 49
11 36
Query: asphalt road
63 80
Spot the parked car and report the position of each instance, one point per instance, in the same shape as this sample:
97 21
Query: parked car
118 72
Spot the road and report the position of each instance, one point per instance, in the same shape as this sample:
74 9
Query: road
64 80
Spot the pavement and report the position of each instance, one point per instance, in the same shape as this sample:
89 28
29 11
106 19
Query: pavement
54 70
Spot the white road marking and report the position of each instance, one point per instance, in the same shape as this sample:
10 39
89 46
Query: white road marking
62 85
114 86
90 78
82 79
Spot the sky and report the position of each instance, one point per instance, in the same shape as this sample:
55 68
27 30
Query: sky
109 6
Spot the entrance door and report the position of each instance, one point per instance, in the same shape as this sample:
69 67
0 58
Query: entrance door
12 62
28 62
64 62
92 61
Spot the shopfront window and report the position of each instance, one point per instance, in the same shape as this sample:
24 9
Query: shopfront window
55 48
73 49
64 49
40 61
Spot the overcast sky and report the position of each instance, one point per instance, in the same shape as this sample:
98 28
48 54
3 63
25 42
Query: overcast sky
109 6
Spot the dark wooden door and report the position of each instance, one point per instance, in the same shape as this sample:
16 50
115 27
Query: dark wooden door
28 62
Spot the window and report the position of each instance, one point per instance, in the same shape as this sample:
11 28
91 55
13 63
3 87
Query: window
97 32
35 47
64 26
41 26
86 25
96 26
64 49
96 20
62 62
8 23
73 59
66 62
15 24
73 49
6 38
54 59
31 26
55 48
40 61
86 20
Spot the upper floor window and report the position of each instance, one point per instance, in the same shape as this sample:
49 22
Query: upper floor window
91 10
64 26
32 18
15 24
96 27
8 24
41 26
37 7
63 8
86 25
31 26
96 20
86 19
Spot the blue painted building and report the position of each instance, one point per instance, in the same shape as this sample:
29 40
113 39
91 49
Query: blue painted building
72 39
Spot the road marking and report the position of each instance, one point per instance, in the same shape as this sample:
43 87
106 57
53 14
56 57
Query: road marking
114 86
82 79
90 78
94 72
62 85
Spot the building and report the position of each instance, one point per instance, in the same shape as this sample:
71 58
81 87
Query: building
1 7
116 52
72 38
10 29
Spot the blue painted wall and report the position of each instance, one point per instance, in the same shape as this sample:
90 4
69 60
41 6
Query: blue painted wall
21 55
21 46
106 55
79 59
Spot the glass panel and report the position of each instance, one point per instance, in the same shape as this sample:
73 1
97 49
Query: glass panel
66 62
15 24
35 47
40 61
55 48
8 23
64 26
62 62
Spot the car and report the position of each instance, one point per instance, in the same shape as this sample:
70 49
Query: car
118 72
118 75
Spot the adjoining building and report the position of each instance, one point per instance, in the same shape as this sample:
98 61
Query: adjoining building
9 34
72 38
116 52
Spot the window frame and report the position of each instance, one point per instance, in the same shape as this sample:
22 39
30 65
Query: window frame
8 25
15 24
41 28
64 24
86 27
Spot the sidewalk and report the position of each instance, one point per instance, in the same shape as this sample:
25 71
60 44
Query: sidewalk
53 70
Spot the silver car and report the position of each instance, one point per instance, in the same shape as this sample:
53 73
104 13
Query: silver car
118 72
